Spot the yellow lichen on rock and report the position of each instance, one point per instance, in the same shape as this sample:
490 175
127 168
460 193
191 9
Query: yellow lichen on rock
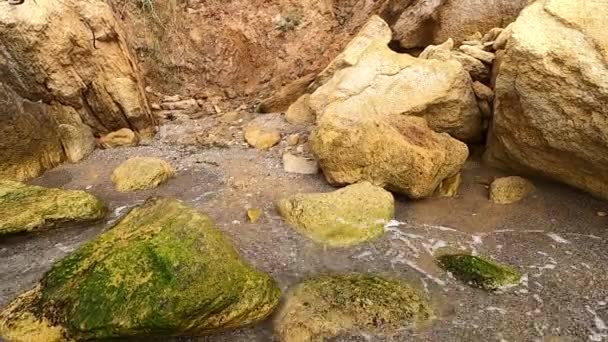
141 173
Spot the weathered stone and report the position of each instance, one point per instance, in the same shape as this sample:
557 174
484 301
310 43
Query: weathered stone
419 23
479 271
122 138
485 108
476 52
492 35
26 208
329 306
550 115
299 113
482 91
509 190
382 83
345 217
262 138
502 39
189 105
400 153
293 139
141 173
301 165
445 52
163 270
59 90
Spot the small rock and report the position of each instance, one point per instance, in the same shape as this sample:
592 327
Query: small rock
254 215
155 106
293 139
300 113
492 35
509 190
472 42
174 98
325 307
478 53
122 138
186 105
479 271
602 214
262 138
344 217
475 67
293 164
140 173
475 36
502 39
449 187
483 92
485 108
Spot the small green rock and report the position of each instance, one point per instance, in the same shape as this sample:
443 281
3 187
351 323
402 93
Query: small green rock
345 217
163 270
26 208
328 306
479 271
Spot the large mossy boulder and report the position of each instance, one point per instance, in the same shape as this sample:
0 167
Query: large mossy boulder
345 217
26 208
141 173
330 306
164 269
551 112
479 271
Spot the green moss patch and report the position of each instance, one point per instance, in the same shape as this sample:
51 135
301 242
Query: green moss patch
345 217
328 306
164 269
26 208
479 271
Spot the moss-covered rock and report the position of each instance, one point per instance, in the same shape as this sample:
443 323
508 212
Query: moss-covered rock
345 217
329 306
25 208
164 269
479 271
141 173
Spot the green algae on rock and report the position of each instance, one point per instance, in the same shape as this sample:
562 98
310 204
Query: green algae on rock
26 208
479 271
162 270
329 306
345 217
141 173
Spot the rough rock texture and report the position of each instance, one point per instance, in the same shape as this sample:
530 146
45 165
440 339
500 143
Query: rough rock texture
299 113
445 52
122 138
418 23
301 165
110 287
61 87
262 138
375 81
141 173
401 154
449 187
26 208
328 306
509 190
345 217
551 116
479 271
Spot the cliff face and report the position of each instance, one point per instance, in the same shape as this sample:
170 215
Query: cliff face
66 76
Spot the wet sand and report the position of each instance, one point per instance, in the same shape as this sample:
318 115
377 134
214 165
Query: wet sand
554 237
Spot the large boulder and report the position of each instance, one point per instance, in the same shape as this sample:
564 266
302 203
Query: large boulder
551 112
27 208
369 79
418 23
323 308
401 154
164 269
60 88
345 217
